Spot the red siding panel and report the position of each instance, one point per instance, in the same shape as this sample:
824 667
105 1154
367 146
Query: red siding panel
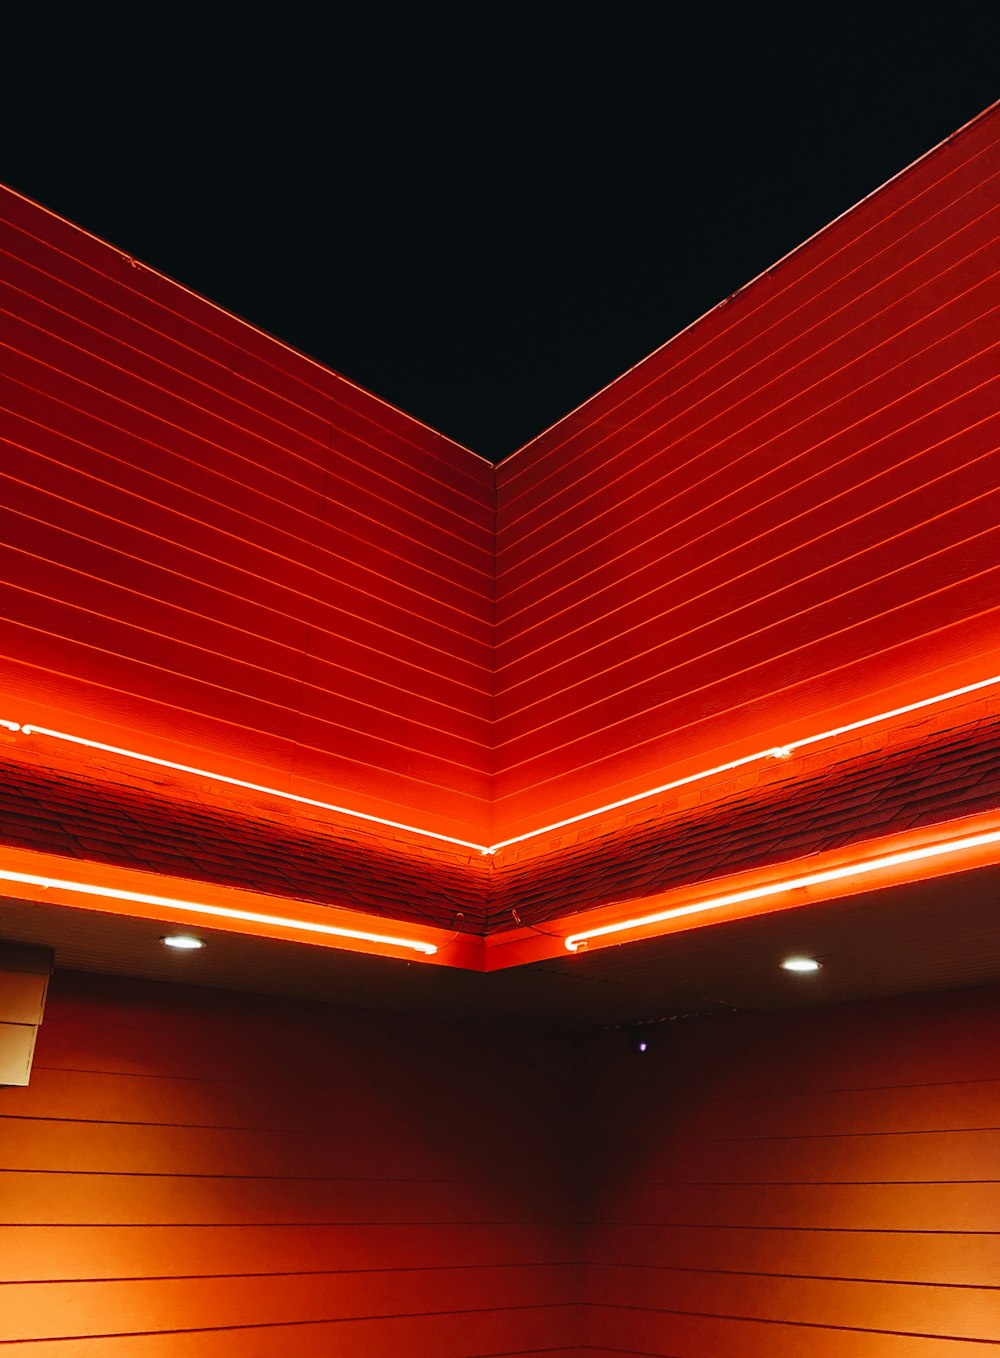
217 550
755 528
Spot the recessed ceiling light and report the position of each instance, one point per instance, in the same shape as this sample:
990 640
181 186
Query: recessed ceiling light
801 964
183 942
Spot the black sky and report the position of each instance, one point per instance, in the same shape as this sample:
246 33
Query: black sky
481 213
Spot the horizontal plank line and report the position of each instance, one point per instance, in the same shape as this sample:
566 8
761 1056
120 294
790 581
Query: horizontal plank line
293 539
811 1230
293 652
56 1120
307 365
435 761
640 437
416 535
760 1273
532 1227
287 1324
818 1092
307 602
183 404
822 1091
816 1136
606 694
722 340
790 1183
297 1225
317 1273
754 510
797 1324
318 441
302 1178
644 492
665 1141
585 645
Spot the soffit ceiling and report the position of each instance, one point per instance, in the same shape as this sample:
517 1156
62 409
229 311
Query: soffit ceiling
938 933
915 937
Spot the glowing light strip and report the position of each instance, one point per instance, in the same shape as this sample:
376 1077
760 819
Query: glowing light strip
573 941
773 752
239 782
219 911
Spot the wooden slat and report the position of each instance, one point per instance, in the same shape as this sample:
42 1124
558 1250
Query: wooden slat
499 1333
787 387
911 204
54 1253
277 373
846 1199
745 710
789 519
211 534
761 611
930 1257
80 411
673 1335
952 1312
952 1207
69 1309
47 303
182 544
408 1238
914 1109
150 1199
754 488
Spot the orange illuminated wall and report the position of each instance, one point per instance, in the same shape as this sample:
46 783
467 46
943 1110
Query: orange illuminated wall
779 1185
220 1176
217 550
784 518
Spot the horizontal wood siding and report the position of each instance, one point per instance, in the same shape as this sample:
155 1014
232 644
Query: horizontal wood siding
213 546
196 1173
786 514
823 1183
209 1175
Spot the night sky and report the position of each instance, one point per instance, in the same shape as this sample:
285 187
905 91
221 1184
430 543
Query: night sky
485 213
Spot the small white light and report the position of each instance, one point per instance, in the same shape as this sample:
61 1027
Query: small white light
801 964
183 942
782 752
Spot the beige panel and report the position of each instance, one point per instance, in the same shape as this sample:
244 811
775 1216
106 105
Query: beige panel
24 981
17 1047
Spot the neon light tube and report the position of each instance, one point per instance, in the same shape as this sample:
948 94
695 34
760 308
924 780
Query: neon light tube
219 911
782 752
775 752
251 787
573 941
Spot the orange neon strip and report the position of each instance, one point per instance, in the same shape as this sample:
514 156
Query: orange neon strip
218 911
573 942
773 752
